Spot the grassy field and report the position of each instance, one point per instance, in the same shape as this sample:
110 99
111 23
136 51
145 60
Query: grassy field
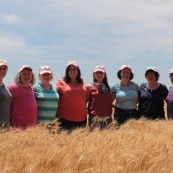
137 146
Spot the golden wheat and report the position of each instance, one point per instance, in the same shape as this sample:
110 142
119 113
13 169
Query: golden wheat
137 146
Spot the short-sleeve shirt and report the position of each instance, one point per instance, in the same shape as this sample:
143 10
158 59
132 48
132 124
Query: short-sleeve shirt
126 98
151 102
23 106
72 101
47 101
5 101
169 101
99 103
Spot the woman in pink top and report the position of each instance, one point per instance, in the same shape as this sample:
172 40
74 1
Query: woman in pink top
23 105
100 100
71 109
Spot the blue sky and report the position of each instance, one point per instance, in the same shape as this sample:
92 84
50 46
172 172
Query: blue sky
92 32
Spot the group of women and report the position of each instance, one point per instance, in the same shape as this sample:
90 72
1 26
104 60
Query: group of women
24 104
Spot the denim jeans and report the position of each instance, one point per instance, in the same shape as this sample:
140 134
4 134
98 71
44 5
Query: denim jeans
121 116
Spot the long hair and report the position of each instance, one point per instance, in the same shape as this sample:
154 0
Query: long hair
67 78
17 78
105 81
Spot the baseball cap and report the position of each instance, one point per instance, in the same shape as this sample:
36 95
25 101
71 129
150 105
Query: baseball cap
25 67
125 66
99 68
151 68
3 62
171 71
72 63
44 69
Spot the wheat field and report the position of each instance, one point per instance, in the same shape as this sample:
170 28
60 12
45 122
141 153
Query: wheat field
137 146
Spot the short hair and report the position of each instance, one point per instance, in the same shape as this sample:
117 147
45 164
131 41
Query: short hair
119 74
67 78
17 78
41 75
156 74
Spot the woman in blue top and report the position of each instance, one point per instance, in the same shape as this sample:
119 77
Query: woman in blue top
126 94
46 96
153 94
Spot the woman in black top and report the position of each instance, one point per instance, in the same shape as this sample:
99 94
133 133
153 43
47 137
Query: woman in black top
152 96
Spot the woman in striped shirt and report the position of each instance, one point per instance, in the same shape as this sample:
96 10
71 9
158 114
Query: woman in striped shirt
46 96
23 105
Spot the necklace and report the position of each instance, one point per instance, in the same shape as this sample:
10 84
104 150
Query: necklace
125 84
152 86
27 88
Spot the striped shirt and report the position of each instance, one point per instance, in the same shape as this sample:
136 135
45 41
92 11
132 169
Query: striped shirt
23 106
47 101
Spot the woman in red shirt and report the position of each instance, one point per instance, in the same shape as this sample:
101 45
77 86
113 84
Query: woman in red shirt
100 99
71 109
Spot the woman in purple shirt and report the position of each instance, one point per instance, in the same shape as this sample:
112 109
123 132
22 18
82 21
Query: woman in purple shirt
169 98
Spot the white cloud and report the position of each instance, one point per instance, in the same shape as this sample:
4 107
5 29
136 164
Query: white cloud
8 43
94 28
110 32
17 48
8 18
